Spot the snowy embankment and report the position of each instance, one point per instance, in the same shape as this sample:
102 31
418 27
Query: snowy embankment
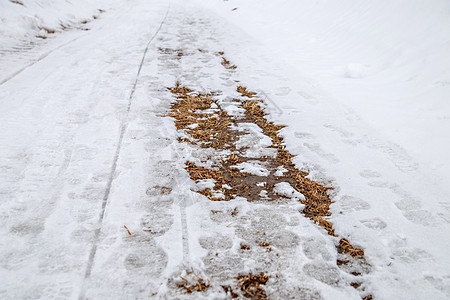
28 29
25 20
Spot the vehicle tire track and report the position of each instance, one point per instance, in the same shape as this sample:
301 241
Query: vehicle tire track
123 128
40 58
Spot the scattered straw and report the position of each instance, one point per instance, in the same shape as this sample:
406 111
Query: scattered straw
245 247
345 247
250 285
129 233
17 2
206 125
235 212
193 284
243 91
226 63
229 291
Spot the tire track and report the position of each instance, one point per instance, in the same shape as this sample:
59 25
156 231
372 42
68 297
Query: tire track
40 58
107 193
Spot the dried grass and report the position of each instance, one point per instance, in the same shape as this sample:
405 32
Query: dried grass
245 247
178 53
213 130
264 243
355 284
250 285
207 128
235 212
16 2
347 248
317 203
129 232
243 91
229 291
227 64
46 29
195 284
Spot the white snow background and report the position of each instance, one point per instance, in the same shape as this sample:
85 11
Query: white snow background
363 87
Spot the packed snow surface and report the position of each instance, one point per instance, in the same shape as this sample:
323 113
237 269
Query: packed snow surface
95 202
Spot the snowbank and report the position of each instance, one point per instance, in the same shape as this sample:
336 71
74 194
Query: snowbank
28 20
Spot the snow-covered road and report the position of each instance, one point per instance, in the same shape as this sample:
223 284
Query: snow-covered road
96 201
61 120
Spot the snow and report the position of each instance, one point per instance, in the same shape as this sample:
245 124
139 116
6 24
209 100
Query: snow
386 61
280 171
285 189
25 19
361 85
253 167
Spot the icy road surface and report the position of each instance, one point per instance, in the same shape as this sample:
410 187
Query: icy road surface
96 202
